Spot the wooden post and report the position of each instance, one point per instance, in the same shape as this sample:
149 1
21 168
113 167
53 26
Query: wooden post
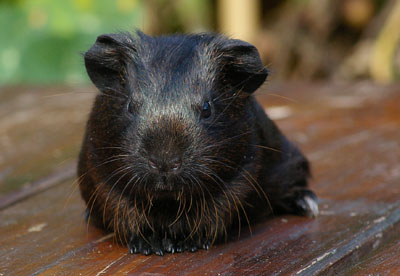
239 18
381 64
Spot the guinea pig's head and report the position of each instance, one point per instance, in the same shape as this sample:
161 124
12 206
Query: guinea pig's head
174 113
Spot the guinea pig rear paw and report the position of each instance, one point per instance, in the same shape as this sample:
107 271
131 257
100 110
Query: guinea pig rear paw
306 203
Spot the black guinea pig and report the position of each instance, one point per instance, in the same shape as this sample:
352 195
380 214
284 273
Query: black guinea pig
177 152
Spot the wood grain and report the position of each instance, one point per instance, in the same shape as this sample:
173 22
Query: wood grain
40 132
351 134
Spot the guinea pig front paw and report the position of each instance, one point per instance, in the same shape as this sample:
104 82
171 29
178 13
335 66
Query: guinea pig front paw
306 203
192 246
147 246
150 245
139 245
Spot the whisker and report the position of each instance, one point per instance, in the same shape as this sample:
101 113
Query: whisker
118 205
110 191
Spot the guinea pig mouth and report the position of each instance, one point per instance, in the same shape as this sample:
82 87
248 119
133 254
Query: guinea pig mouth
164 184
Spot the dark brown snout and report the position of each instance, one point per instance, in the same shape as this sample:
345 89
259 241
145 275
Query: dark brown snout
166 142
164 164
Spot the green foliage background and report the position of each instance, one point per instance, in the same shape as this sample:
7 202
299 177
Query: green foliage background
41 40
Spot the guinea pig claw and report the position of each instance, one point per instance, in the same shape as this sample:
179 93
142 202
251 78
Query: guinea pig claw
307 204
206 245
168 245
133 249
146 251
159 252
179 247
138 245
312 205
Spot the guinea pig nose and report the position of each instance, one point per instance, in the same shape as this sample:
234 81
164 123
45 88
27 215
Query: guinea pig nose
164 166
175 164
152 164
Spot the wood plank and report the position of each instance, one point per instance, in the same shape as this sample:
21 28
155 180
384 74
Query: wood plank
354 147
55 178
43 229
383 258
40 133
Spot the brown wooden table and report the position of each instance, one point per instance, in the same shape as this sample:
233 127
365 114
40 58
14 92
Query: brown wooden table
351 134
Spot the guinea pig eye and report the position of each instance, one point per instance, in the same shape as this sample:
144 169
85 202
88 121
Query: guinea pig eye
132 107
206 110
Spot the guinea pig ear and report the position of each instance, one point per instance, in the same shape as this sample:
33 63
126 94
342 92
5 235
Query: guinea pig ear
106 61
242 66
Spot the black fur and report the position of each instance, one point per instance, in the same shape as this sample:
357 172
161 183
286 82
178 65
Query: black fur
157 171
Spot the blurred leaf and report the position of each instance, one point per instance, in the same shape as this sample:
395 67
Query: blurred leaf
44 38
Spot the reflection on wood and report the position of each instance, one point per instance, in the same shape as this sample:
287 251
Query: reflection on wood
350 133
